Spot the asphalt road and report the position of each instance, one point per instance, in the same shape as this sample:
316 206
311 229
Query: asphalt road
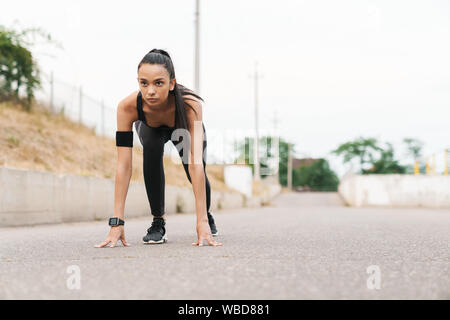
303 246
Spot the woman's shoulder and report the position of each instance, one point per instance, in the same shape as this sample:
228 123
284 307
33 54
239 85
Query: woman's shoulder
194 111
190 98
129 103
127 108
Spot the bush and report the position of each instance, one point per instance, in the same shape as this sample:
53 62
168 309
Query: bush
317 176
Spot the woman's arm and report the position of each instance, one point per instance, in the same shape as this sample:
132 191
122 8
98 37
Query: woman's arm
125 119
195 160
123 177
197 173
124 160
198 185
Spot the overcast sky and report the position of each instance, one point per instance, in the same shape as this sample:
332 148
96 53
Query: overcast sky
332 70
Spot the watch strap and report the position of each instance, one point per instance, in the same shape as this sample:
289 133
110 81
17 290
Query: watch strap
116 222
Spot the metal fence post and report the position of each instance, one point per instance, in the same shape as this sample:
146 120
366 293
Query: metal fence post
81 105
51 92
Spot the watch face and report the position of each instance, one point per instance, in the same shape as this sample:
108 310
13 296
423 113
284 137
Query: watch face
114 221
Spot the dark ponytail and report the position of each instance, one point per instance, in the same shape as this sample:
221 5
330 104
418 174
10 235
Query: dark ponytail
161 57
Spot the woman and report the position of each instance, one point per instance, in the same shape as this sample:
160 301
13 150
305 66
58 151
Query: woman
161 110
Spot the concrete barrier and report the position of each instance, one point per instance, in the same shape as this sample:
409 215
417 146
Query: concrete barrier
29 197
395 190
239 177
272 191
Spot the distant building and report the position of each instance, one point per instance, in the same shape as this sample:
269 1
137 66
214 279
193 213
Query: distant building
297 163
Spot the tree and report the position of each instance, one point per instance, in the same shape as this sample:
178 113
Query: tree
283 148
372 157
386 164
18 69
362 149
414 147
318 176
245 155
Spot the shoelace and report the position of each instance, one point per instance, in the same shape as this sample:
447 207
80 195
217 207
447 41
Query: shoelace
156 226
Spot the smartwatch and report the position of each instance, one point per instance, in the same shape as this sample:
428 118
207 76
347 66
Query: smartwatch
113 222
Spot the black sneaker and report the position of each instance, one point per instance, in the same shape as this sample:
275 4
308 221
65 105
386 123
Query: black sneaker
212 225
156 233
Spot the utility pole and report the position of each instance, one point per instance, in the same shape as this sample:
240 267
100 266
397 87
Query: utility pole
276 141
289 173
256 148
197 48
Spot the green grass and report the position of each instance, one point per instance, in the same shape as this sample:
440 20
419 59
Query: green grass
13 140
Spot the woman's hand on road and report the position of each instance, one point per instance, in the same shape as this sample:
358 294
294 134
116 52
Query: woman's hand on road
204 233
115 234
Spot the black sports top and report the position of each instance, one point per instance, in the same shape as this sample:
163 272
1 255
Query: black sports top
141 115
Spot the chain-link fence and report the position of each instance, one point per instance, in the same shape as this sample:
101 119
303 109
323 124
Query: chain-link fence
63 97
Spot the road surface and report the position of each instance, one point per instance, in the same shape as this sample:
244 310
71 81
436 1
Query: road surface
303 246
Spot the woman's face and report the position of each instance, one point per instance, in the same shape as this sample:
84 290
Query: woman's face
155 84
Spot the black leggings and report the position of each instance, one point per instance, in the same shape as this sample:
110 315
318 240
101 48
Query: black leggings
153 141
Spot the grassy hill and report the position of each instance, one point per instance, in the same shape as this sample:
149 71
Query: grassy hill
40 140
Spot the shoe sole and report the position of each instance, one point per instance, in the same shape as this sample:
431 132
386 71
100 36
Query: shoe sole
164 239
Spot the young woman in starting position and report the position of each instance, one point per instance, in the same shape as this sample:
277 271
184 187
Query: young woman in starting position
161 110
